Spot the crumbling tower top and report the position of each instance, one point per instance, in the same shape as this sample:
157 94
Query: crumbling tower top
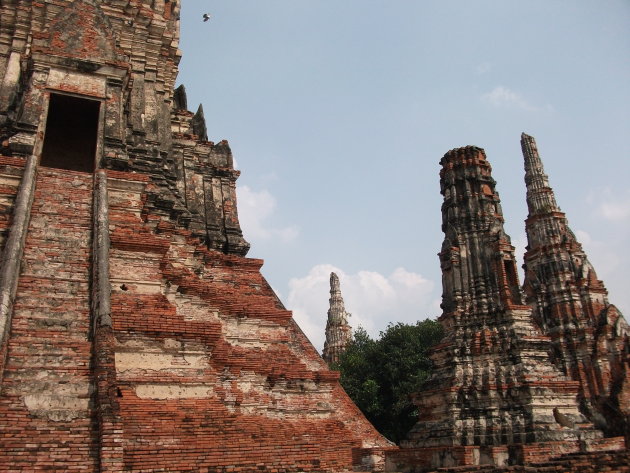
472 221
338 331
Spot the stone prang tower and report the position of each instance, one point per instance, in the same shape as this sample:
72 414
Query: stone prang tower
338 331
590 336
134 333
494 397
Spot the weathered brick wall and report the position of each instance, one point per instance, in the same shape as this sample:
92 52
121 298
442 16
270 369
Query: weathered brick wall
45 402
197 366
203 369
211 370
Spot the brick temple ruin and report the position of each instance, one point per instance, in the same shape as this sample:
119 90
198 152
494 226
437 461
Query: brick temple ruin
496 396
136 336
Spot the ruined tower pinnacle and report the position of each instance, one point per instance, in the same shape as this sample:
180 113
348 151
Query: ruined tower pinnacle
338 331
570 304
540 196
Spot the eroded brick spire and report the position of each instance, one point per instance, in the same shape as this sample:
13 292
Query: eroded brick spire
570 304
338 331
493 385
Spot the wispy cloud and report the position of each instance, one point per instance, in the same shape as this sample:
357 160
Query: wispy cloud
483 68
372 298
255 209
503 97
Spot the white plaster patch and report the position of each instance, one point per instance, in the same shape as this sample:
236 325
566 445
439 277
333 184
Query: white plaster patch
77 82
12 72
191 307
132 268
126 361
127 195
173 391
9 180
250 333
132 188
135 286
286 399
57 407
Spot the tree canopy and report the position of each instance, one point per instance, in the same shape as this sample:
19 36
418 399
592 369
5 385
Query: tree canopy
379 375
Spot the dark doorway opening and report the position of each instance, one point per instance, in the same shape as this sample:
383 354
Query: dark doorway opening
71 131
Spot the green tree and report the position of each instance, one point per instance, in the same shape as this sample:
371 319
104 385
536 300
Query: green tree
379 375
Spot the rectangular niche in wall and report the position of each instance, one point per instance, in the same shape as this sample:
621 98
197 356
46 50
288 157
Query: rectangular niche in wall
71 133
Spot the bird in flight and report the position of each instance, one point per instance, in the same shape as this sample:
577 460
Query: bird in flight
206 16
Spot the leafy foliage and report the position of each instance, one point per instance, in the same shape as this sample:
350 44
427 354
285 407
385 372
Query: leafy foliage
379 375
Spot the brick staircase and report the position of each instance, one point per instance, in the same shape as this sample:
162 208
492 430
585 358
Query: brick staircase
47 388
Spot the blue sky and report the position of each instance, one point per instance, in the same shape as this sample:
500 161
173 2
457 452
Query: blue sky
338 113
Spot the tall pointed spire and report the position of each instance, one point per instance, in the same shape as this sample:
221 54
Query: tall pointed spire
338 331
570 304
491 387
540 197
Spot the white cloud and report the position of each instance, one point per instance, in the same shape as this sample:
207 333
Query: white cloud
616 211
502 97
610 212
611 207
601 254
373 299
254 210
